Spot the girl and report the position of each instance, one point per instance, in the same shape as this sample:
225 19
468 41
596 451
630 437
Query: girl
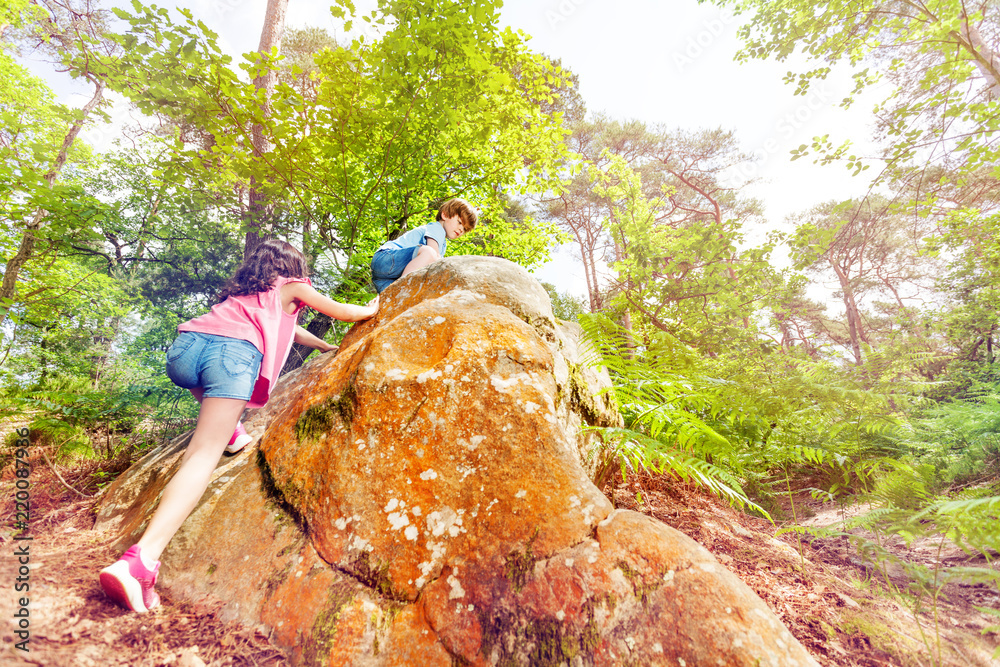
229 358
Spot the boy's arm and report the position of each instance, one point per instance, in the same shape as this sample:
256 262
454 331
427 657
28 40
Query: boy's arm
434 236
344 312
303 337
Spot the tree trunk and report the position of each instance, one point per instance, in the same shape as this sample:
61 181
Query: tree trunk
317 327
853 319
986 60
589 269
260 210
27 247
626 320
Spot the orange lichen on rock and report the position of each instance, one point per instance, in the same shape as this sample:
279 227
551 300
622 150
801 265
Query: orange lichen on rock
414 457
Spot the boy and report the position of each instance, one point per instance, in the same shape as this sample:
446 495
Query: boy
422 246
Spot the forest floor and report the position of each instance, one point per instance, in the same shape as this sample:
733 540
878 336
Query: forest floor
841 608
833 603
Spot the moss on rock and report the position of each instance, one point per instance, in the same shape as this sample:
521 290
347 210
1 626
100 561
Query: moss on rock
593 408
518 565
321 419
321 639
544 642
375 575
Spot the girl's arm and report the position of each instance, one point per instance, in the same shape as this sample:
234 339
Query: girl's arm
292 292
303 337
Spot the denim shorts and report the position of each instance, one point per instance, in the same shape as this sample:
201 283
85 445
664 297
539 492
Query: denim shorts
388 265
224 367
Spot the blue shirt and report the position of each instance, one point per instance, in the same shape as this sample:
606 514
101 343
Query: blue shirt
419 236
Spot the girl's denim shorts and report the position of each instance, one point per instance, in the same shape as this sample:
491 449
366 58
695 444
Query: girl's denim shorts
388 265
224 367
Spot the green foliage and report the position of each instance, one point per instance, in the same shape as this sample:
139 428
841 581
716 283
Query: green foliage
904 486
935 66
958 436
667 407
966 243
66 327
752 415
77 421
39 198
171 240
971 523
662 209
383 130
680 277
901 504
68 440
942 69
565 306
870 252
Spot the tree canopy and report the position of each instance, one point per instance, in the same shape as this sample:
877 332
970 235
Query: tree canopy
376 132
940 59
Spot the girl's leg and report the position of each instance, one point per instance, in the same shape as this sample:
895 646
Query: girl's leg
194 360
425 256
239 439
216 422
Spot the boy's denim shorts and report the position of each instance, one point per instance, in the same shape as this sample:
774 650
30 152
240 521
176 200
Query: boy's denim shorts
388 265
224 367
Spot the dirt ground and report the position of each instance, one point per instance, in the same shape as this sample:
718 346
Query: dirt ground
830 600
839 607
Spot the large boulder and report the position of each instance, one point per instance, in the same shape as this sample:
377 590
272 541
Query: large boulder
582 396
424 496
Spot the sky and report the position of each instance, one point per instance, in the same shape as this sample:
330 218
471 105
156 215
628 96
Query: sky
669 63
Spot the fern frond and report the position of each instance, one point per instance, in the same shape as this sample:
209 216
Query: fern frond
989 505
992 628
644 452
870 519
818 532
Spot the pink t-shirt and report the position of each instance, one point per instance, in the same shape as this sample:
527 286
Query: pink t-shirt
259 319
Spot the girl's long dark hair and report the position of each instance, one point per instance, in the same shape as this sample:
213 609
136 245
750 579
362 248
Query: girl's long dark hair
269 260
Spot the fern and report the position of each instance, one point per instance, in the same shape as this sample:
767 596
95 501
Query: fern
637 450
992 628
671 417
960 438
870 520
68 413
973 524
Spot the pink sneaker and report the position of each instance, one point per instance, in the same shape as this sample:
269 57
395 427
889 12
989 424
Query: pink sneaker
129 583
239 440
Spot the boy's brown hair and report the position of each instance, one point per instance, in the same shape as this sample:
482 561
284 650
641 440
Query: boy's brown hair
462 209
